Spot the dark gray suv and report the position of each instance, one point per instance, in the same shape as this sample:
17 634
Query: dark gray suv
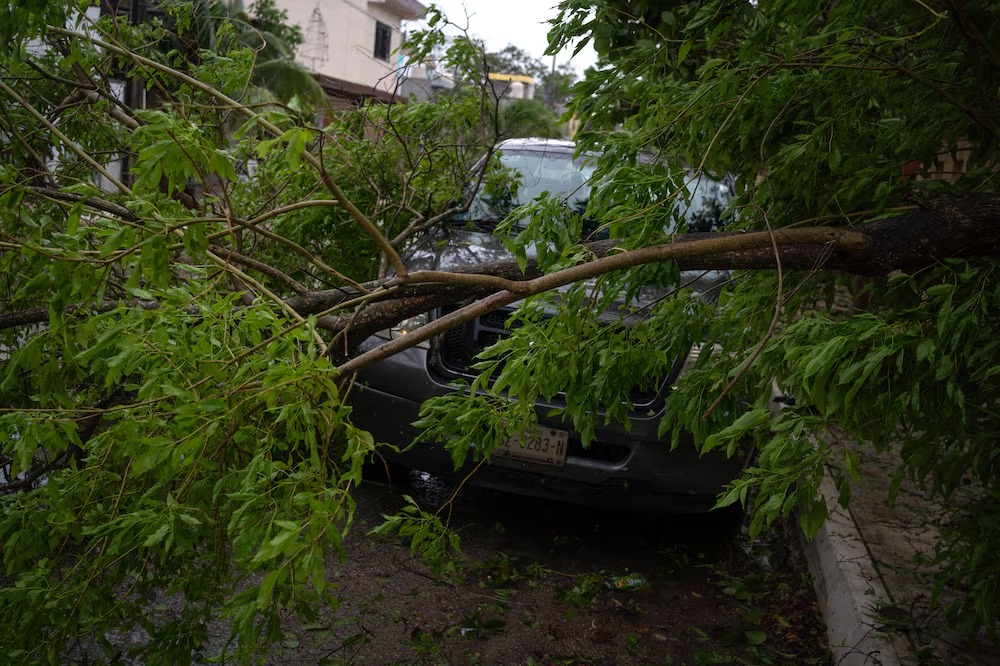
632 469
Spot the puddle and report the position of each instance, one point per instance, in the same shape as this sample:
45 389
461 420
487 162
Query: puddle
433 491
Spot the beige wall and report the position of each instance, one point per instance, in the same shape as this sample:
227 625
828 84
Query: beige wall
950 164
350 27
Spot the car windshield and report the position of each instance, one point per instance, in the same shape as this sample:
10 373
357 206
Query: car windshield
527 174
707 202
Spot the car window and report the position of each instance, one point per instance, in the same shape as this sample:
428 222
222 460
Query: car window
708 199
524 175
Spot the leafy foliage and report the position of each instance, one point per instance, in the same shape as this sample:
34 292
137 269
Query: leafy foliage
274 21
816 110
171 427
428 536
205 28
528 118
181 284
820 114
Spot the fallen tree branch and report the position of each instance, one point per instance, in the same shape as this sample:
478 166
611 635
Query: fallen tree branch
953 226
266 269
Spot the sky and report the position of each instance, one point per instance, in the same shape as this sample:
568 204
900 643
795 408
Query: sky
518 22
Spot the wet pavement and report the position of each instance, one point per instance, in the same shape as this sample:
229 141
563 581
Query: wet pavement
879 577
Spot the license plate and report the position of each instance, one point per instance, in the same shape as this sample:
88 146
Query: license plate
546 446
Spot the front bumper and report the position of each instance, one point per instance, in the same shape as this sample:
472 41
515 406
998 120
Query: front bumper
621 470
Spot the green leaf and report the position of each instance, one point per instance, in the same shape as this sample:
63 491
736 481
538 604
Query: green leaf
833 159
188 519
297 139
684 50
114 241
157 537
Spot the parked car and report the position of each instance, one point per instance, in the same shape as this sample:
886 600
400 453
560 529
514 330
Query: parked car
624 468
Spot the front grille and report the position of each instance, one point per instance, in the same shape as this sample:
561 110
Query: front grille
459 346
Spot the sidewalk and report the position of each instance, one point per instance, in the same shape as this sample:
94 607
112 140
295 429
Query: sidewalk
873 580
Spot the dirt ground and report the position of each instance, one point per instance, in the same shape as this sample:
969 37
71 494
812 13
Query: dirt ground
532 590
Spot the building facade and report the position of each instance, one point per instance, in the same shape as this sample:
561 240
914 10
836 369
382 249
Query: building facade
353 41
507 87
425 80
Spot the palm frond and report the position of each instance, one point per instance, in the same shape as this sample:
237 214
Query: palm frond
286 79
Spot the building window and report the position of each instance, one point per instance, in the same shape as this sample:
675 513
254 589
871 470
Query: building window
383 40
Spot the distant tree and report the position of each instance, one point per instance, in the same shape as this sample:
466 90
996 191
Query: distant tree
271 20
552 86
513 60
214 26
528 117
555 86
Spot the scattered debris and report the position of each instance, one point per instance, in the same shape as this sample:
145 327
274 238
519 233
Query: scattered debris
633 581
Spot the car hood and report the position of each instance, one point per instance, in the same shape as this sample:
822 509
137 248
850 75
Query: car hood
449 249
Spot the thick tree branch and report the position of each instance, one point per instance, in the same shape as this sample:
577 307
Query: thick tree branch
954 226
91 202
267 270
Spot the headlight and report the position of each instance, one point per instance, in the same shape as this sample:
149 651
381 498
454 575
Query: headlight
404 327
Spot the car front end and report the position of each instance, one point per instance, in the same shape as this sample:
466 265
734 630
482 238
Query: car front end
627 465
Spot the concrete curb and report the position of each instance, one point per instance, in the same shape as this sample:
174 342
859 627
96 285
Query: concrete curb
848 587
